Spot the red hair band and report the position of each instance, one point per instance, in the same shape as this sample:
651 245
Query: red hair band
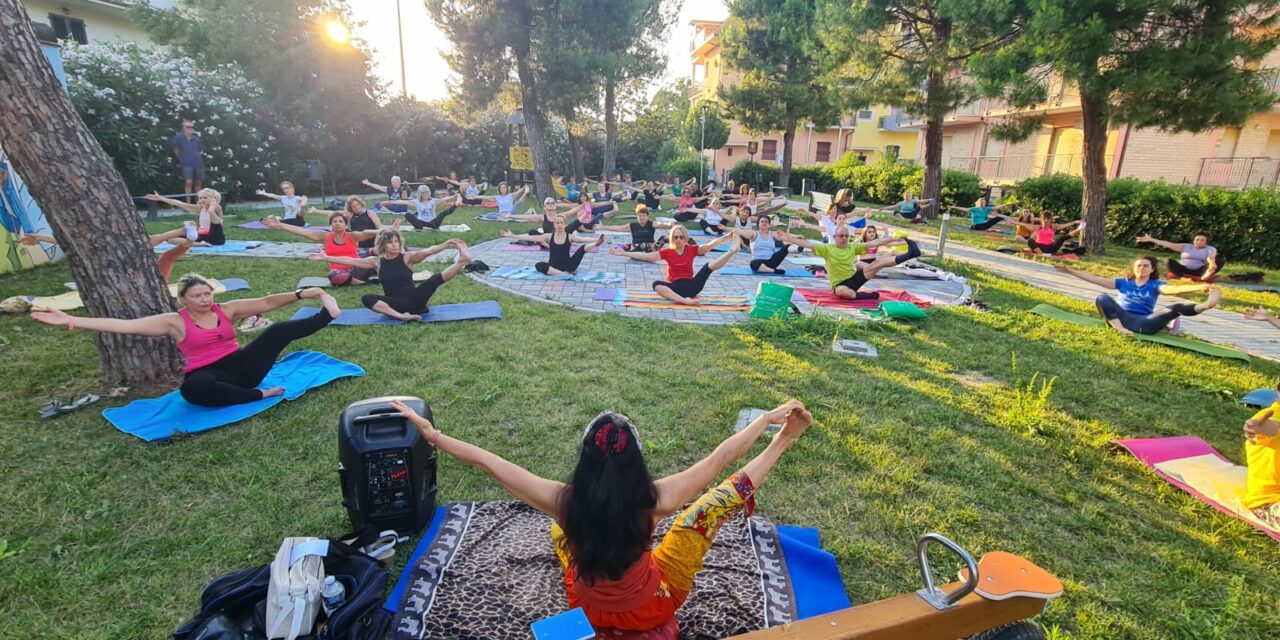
602 439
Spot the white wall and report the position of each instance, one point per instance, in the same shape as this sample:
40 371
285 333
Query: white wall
102 22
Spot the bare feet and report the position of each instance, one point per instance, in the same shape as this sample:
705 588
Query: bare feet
1215 296
412 317
599 240
311 292
271 392
1118 326
689 301
330 305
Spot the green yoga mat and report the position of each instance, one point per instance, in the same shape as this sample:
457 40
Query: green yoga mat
1207 349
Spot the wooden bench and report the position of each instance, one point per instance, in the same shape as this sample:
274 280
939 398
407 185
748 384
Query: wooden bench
153 207
1006 589
818 201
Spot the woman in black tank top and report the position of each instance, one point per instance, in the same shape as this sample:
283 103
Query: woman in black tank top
559 242
402 299
643 231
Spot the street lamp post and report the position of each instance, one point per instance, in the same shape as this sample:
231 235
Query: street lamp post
404 88
702 148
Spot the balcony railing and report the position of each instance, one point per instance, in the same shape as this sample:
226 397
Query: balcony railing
1238 173
1014 168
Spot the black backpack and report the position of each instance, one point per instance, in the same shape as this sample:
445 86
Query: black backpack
233 606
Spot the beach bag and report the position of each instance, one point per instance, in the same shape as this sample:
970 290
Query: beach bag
234 606
293 593
773 300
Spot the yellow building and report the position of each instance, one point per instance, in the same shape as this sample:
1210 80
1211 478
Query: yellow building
870 133
1235 157
88 21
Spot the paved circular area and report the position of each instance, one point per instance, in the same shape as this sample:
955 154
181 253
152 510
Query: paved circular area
640 275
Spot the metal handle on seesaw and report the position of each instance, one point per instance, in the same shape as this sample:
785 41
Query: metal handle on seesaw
934 596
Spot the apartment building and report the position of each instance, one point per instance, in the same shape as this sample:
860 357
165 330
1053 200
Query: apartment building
88 21
870 133
1233 157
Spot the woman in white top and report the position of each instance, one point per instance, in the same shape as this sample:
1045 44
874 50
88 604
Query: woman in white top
293 204
423 213
711 220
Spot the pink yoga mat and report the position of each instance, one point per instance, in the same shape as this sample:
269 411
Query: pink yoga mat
1153 451
825 298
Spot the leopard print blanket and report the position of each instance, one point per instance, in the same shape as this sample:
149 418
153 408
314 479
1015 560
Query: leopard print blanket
491 571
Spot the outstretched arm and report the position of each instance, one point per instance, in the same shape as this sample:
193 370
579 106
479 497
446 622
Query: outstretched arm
796 240
704 249
643 256
676 490
237 309
189 208
1105 283
310 234
538 492
371 185
415 257
31 239
524 191
164 324
1172 246
540 237
1262 315
267 195
364 263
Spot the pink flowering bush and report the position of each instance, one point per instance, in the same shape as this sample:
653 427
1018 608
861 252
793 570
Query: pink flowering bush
134 99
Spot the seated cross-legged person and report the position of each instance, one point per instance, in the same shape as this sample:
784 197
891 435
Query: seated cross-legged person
560 241
604 517
338 242
846 273
1198 260
682 285
401 299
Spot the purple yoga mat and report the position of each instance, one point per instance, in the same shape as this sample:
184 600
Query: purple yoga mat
256 224
1153 451
605 294
523 247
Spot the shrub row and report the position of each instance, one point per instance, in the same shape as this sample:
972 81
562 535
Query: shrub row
883 182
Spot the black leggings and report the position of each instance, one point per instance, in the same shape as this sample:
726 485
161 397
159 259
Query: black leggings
1177 269
687 288
233 379
859 278
1138 323
991 222
569 266
472 201
1058 241
435 222
414 301
297 222
773 262
685 216
711 228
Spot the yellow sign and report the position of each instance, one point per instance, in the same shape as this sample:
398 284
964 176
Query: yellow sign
521 158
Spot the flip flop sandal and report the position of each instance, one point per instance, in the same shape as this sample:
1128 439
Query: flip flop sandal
51 408
79 403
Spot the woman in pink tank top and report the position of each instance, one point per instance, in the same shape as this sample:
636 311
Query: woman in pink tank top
1045 239
218 372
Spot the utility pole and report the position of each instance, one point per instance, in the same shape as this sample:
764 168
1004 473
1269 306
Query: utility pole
404 88
702 151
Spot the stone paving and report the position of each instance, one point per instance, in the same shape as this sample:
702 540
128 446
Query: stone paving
640 275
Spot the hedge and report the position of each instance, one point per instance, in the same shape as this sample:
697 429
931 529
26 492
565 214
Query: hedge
1061 193
883 182
1242 224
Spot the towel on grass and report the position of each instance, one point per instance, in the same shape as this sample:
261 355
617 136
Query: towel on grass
435 313
161 418
825 298
639 298
488 570
529 273
1205 348
1260 398
70 301
1193 465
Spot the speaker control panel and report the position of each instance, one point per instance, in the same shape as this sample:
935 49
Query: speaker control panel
388 477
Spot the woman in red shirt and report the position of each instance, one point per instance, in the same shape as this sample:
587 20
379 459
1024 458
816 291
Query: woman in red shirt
681 285
337 242
605 515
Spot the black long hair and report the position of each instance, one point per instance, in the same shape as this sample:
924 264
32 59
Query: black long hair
606 510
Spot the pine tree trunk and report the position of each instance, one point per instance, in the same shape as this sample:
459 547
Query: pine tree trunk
87 204
610 129
788 138
534 123
932 188
1094 204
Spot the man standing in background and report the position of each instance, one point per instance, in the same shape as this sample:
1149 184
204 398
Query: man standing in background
186 148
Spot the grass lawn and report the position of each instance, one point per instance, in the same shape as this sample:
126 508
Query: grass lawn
1115 260
945 432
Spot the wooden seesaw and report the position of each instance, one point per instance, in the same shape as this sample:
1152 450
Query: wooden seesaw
1001 590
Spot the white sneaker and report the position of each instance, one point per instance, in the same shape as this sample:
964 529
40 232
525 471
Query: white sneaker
1175 327
191 230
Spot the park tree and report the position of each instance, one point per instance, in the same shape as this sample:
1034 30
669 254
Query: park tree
713 135
1179 65
571 82
912 54
490 39
662 119
86 202
775 46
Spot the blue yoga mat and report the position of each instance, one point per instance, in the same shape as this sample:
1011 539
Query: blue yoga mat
1260 398
815 576
438 313
529 273
231 246
161 418
746 271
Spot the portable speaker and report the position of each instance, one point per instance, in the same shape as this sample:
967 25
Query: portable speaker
387 470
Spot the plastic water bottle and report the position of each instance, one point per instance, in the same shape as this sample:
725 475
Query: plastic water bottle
332 595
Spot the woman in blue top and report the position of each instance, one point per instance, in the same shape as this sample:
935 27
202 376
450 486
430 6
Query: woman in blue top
983 216
910 208
1134 310
767 252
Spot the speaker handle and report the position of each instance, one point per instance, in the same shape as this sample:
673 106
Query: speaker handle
382 416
